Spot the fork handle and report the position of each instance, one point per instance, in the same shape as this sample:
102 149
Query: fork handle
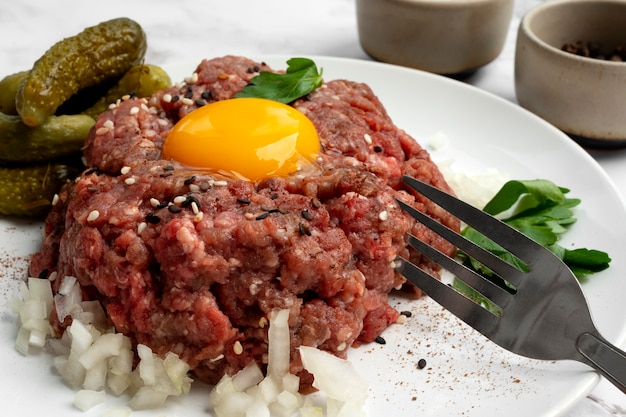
604 357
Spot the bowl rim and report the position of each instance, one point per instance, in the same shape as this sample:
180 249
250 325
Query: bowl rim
525 28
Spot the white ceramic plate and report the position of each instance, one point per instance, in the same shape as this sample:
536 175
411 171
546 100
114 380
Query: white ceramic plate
465 374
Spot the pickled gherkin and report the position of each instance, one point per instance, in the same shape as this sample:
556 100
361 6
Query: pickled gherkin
29 190
9 86
98 53
58 137
140 81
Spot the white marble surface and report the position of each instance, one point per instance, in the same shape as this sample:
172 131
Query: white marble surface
190 30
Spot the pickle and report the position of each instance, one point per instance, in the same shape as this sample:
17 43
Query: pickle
59 136
98 53
8 90
29 190
141 81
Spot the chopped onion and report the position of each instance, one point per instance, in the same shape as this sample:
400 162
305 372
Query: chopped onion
86 399
92 359
248 394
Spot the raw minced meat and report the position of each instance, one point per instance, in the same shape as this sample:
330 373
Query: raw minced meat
193 263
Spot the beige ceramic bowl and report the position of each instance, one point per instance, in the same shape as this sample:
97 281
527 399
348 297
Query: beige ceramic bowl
440 36
584 97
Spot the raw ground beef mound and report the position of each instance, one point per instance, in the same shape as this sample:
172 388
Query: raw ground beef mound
192 263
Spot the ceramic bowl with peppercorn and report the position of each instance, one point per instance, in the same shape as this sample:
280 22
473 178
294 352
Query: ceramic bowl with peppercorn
570 68
441 36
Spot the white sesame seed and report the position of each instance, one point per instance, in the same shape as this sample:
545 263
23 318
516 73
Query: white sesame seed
383 215
194 207
112 106
154 202
163 122
125 170
193 78
262 322
134 110
55 199
217 358
109 123
167 98
341 347
141 227
368 139
53 276
401 319
186 101
93 215
249 216
220 183
194 188
103 130
130 181
180 199
237 348
198 217
126 97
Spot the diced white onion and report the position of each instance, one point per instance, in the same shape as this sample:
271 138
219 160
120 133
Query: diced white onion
334 376
86 399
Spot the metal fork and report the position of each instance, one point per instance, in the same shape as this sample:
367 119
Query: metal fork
545 315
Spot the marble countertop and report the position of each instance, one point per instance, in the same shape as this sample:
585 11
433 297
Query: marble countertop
189 30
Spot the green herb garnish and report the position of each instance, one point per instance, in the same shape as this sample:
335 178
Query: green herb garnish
300 78
540 210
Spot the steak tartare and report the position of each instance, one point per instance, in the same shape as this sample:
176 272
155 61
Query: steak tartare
190 262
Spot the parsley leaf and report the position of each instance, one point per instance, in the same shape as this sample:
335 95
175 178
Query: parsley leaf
541 210
300 78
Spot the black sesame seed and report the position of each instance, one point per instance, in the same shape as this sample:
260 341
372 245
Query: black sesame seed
306 214
152 218
175 99
162 205
168 168
250 70
207 95
190 180
243 201
174 208
189 94
132 94
200 103
380 340
304 229
190 200
406 313
262 216
421 364
378 149
256 68
274 196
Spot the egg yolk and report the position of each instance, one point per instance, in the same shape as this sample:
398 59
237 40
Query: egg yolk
244 138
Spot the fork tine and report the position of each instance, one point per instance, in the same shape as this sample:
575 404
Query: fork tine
488 289
497 265
499 232
467 310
